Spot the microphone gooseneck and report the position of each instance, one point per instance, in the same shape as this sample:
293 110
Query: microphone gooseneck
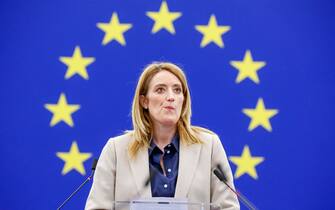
221 176
94 164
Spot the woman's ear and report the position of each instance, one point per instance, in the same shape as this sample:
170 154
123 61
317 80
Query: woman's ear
144 101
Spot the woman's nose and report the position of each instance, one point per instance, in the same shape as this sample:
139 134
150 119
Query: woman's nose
170 95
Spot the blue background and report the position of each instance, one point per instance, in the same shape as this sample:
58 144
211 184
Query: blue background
295 38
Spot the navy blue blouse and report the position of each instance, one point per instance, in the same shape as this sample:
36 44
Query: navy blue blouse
164 168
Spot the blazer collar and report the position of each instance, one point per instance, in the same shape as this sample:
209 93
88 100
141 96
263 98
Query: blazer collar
188 162
140 171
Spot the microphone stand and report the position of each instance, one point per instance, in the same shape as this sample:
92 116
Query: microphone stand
95 161
220 175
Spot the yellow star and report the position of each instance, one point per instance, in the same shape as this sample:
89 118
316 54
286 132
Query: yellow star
114 30
260 116
246 164
164 19
77 64
62 111
212 32
73 159
247 68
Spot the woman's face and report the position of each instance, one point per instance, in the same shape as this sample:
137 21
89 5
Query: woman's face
164 99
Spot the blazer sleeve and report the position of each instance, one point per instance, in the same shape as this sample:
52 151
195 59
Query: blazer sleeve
220 193
102 192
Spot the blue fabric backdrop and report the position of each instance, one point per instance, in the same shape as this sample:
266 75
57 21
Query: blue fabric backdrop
60 105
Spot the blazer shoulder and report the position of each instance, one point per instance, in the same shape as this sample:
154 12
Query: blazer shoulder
121 141
206 135
209 138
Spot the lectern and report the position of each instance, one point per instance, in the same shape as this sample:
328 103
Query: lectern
163 204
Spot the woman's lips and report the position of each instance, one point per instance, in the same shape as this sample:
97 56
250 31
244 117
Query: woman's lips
169 107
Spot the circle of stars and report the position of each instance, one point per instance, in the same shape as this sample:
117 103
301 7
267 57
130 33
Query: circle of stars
164 19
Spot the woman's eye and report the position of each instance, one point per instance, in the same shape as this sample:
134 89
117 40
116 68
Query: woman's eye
177 90
160 90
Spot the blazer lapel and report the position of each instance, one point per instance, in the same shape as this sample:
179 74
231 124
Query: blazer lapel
188 162
140 171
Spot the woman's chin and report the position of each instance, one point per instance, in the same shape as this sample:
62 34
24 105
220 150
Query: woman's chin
169 122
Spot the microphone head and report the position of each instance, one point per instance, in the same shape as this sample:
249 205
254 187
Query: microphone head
94 164
219 175
223 175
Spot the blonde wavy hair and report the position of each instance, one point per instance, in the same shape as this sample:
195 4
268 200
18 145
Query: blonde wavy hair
142 123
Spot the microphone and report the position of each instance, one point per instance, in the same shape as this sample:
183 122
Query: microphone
94 165
147 181
153 173
221 176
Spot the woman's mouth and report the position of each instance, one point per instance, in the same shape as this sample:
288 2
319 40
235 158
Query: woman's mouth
169 107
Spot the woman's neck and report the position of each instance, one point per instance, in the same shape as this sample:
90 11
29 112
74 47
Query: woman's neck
163 135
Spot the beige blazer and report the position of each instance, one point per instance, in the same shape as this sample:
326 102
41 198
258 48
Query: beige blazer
118 177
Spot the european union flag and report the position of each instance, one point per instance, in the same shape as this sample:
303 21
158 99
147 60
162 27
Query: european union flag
261 76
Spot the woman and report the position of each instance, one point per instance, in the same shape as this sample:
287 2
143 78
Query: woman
179 157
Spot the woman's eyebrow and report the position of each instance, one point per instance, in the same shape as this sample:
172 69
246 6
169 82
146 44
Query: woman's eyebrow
160 85
165 85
